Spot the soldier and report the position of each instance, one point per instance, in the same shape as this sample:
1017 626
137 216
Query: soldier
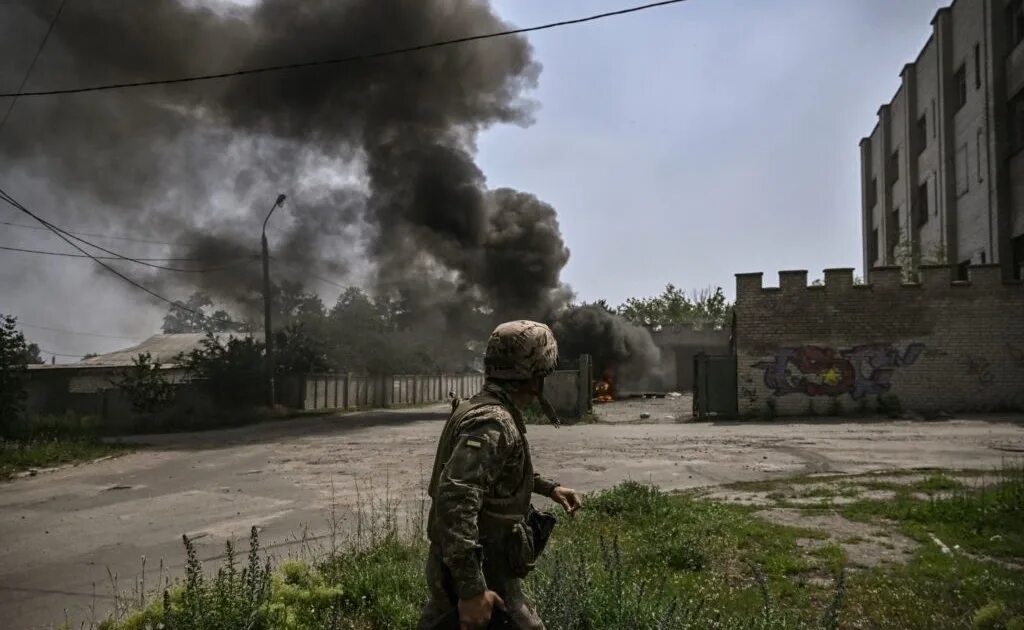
482 542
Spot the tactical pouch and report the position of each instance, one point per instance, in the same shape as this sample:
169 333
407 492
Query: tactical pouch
519 549
541 523
527 540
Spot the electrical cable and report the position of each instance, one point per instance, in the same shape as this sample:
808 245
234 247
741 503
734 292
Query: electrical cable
70 255
32 65
77 332
58 354
14 202
117 255
90 234
341 60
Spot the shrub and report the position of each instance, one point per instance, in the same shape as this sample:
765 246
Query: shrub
232 369
13 375
145 386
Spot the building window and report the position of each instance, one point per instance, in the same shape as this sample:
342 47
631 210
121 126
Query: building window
961 270
1018 257
922 133
982 150
873 193
921 205
1017 122
960 84
873 247
977 67
963 171
894 166
1016 22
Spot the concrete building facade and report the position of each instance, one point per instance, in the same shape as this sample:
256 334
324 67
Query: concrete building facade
943 170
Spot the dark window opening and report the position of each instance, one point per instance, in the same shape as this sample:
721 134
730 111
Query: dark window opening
922 134
894 166
873 247
977 67
1017 122
921 205
983 258
960 84
961 270
873 193
1018 257
1016 22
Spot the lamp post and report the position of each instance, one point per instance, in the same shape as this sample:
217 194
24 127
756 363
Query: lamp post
268 337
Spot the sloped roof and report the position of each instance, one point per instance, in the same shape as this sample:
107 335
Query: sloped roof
163 348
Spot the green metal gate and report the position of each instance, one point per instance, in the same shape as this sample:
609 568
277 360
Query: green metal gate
714 386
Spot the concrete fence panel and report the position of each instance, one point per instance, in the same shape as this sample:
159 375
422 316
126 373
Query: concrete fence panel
569 390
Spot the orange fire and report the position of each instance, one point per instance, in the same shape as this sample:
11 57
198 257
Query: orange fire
603 391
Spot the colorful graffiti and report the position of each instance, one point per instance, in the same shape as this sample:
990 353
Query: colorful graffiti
819 371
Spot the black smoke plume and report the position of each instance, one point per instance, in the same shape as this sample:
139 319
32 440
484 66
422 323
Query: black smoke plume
377 157
620 350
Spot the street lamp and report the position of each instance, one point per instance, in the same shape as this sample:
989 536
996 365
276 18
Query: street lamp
268 337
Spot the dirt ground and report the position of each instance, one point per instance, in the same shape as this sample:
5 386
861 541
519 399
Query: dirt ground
672 408
69 537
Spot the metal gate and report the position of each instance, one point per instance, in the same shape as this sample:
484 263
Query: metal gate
714 386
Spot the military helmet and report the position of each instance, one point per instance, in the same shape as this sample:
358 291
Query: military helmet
521 350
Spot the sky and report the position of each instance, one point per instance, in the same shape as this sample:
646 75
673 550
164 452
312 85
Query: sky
679 145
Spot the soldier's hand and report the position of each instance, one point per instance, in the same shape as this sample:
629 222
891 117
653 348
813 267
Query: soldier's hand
567 498
475 612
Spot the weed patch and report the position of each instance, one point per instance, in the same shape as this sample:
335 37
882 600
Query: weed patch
21 455
634 558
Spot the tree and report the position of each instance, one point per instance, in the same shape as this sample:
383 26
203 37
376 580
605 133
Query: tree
145 386
910 258
298 352
674 308
32 355
13 373
231 370
294 304
193 316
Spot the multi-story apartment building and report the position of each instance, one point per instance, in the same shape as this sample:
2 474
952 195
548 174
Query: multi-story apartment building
943 170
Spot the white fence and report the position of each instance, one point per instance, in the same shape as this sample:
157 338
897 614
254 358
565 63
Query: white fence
567 389
353 391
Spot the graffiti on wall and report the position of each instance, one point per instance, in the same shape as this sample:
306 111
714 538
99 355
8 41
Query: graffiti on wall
980 368
820 371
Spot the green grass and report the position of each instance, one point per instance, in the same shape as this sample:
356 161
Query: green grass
20 455
637 558
986 519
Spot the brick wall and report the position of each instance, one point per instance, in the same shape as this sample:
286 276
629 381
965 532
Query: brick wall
933 346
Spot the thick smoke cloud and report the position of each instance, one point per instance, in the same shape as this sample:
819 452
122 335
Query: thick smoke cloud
619 349
377 157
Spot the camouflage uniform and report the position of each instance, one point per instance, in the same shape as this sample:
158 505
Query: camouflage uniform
481 486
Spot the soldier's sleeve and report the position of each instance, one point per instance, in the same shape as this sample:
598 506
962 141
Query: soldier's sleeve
543 485
474 465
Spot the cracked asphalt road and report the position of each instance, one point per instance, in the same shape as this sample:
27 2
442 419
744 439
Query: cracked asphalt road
60 532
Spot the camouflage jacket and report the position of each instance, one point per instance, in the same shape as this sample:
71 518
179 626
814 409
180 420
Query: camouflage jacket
481 483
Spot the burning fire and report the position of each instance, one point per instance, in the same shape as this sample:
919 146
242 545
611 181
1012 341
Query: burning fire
603 391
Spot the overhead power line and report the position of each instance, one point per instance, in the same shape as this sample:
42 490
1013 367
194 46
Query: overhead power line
58 354
32 65
89 234
70 255
118 256
15 203
77 332
341 60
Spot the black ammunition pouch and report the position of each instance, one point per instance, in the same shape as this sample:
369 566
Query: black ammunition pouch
526 541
